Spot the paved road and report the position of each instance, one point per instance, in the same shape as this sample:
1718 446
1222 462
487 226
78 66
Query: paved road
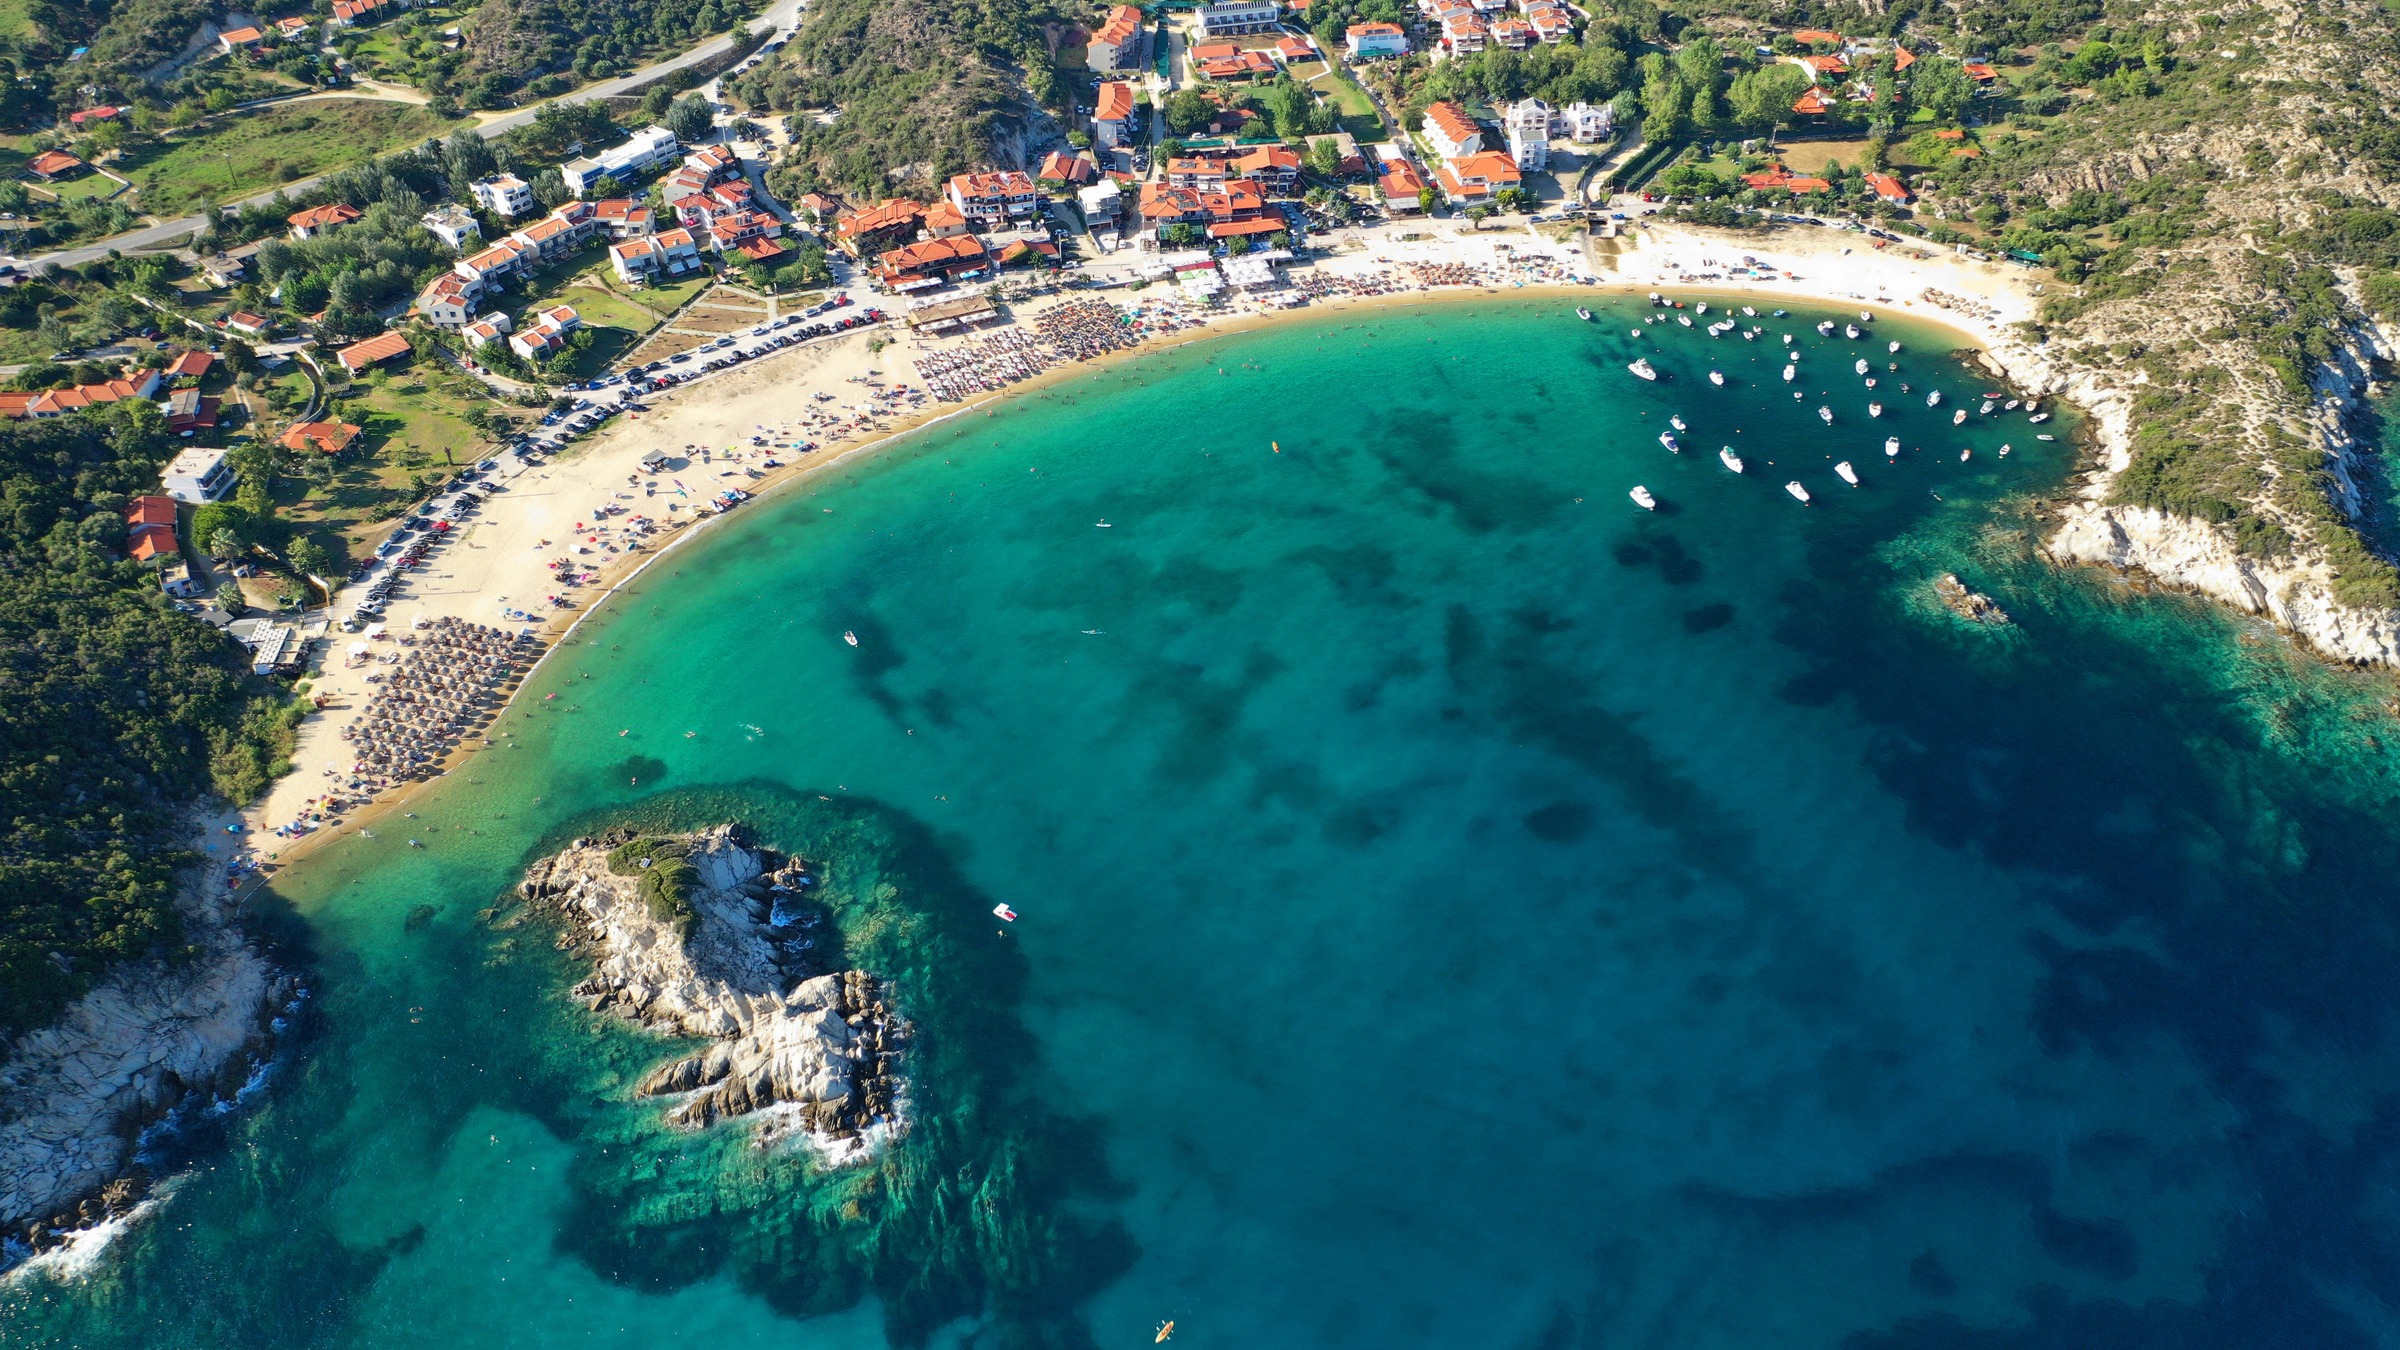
782 17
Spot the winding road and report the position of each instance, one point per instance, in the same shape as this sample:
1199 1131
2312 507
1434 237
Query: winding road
780 18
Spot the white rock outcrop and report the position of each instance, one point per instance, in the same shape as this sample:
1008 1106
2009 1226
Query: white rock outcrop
815 1050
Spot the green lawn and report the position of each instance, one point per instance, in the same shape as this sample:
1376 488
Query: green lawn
88 185
416 430
606 309
1359 117
16 18
251 152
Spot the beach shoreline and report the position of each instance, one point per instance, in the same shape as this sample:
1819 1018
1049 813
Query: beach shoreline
735 410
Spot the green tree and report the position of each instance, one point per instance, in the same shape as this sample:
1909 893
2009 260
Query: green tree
1940 86
1762 98
691 118
1325 157
1188 110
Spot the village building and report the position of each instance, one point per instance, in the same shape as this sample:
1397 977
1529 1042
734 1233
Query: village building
1527 125
1112 119
546 334
1232 18
1479 177
235 39
504 195
189 410
1451 132
669 253
931 262
645 150
52 165
1370 41
454 225
1225 61
373 352
1103 202
1402 188
992 199
318 220
190 365
325 438
1293 50
1889 188
150 529
197 475
491 328
868 232
1583 122
248 324
1120 44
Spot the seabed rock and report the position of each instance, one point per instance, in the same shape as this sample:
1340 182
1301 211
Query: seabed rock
1968 604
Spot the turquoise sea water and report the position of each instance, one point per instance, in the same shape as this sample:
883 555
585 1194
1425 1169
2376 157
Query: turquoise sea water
1457 908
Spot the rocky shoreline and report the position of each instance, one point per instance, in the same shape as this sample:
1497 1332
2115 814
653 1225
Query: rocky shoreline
152 1044
706 935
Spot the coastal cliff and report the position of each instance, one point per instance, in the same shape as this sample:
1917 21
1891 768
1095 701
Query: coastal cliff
152 1040
704 935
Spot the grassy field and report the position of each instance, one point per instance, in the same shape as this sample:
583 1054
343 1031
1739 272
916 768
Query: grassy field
251 152
16 18
416 434
1359 117
89 185
1814 156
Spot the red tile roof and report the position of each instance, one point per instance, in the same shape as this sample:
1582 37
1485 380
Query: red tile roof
1808 35
381 347
330 437
194 364
897 212
151 510
1123 22
1887 187
145 542
1977 70
1451 120
321 217
1116 102
51 163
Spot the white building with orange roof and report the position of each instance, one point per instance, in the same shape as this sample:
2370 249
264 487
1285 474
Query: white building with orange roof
1451 131
1112 119
993 199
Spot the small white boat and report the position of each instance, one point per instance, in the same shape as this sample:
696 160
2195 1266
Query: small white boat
1895 348
1005 913
1633 332
1891 447
1859 366
2032 406
1825 329
1850 331
2045 436
1874 410
1701 308
1716 377
2011 405
1825 414
1657 299
1642 367
1787 339
1789 372
1870 381
1865 317
1749 313
1102 525
1965 455
1797 491
1675 420
1729 459
2038 418
1986 410
1684 319
1667 439
1642 498
1958 417
851 638
1934 399
1583 314
2004 450
1849 475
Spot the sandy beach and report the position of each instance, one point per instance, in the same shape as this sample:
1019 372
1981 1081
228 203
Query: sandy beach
594 515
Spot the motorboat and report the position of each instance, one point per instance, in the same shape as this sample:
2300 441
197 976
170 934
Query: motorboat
1965 455
1641 366
1701 308
1870 381
1958 417
1825 329
1684 319
1986 409
1716 377
2004 450
1934 399
1789 372
1730 460
1874 410
1583 314
2045 436
1850 331
1849 475
1859 367
1656 299
1895 349
1798 492
1787 339
1006 914
2038 418
2011 405
1891 447
1825 414
1667 439
1642 498
851 638
1749 313
1865 317
1675 420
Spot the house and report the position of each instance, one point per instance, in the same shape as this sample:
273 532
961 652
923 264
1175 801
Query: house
624 218
1813 37
761 249
248 324
59 402
316 220
1402 187
546 334
1292 50
150 528
292 28
1889 188
374 351
1902 59
1480 176
1775 176
733 229
991 199
197 476
1101 203
822 207
1347 161
668 254
1451 131
647 149
233 40
187 410
1583 122
52 165
1513 33
1464 35
953 316
876 228
1225 61
1552 21
1119 44
329 438
1980 72
1112 119
491 328
1230 18
90 117
931 262
714 162
1236 209
225 269
1061 167
446 303
190 365
352 13
453 225
1811 103
504 195
1272 167
1368 41
1822 67
1527 125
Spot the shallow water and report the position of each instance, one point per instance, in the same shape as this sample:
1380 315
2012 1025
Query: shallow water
1458 908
